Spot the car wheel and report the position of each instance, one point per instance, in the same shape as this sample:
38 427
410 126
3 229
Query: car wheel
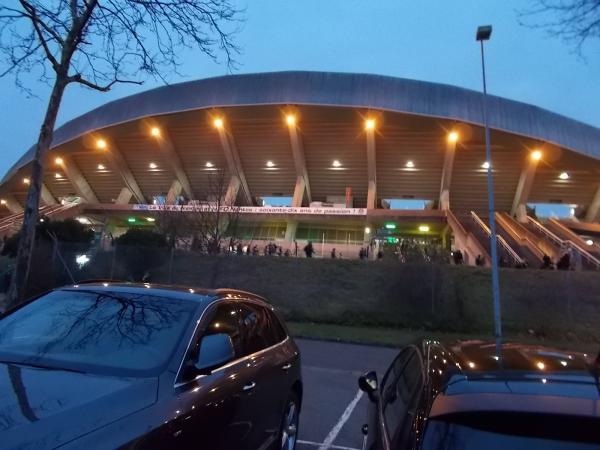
289 423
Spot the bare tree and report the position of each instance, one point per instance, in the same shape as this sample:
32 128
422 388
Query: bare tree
97 44
209 225
575 21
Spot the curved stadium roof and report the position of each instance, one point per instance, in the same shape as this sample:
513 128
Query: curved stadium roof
336 89
415 113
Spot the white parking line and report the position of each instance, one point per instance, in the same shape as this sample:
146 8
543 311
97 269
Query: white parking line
334 447
327 443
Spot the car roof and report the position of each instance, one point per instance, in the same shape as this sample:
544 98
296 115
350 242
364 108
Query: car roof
470 376
193 293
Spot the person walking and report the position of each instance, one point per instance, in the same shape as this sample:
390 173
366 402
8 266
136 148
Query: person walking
333 255
309 250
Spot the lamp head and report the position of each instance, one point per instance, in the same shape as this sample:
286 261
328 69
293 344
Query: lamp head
484 32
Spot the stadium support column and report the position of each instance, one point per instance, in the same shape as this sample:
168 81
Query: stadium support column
232 191
119 165
519 206
174 192
168 150
371 168
594 208
290 230
124 197
12 204
302 183
447 173
297 199
302 186
238 179
47 197
77 180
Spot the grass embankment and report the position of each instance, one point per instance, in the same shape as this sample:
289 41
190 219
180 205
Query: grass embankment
558 306
382 301
399 337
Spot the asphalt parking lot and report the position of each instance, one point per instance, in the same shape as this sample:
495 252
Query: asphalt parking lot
334 409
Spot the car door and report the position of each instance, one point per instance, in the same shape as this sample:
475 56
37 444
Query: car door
214 410
401 390
270 363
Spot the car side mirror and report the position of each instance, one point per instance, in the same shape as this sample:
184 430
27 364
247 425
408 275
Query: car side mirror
368 382
215 350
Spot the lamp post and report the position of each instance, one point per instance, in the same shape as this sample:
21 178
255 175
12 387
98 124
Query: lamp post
483 34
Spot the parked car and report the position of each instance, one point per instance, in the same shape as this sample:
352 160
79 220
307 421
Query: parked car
108 365
467 396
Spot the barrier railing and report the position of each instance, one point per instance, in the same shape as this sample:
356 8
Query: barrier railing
565 244
501 241
520 234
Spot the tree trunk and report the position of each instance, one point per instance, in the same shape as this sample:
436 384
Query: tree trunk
30 216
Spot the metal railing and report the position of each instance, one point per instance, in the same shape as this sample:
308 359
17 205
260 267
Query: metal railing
520 234
565 244
513 255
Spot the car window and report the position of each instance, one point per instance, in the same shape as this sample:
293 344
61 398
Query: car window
222 318
261 328
276 330
400 393
113 333
511 430
225 320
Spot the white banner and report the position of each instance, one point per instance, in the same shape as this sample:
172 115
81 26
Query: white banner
255 210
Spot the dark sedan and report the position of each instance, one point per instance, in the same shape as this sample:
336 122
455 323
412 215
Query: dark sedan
467 396
105 365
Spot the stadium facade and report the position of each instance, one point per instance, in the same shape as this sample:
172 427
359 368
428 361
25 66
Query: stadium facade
344 149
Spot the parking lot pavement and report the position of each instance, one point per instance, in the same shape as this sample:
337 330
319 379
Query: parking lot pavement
334 409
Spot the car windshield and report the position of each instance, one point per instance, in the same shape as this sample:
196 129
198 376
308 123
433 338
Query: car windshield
112 333
511 431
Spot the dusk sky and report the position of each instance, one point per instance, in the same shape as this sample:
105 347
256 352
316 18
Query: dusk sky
425 40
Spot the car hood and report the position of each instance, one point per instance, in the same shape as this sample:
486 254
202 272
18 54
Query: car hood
43 409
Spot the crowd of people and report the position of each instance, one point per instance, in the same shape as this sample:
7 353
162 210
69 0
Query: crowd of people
563 263
407 251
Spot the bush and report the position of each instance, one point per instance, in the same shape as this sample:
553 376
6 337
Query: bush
140 251
67 231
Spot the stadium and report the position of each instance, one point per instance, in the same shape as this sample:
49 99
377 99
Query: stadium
347 161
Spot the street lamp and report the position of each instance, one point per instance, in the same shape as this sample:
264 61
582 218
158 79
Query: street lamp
483 34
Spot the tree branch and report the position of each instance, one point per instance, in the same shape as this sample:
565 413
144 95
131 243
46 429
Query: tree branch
35 22
77 78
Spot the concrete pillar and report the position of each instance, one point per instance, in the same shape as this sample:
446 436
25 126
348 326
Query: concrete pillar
290 230
234 163
78 181
299 192
11 203
118 163
521 213
299 160
124 197
519 206
371 169
174 192
594 208
232 190
172 157
447 174
47 197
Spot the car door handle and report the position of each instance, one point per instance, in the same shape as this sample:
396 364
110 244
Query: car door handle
286 366
248 387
